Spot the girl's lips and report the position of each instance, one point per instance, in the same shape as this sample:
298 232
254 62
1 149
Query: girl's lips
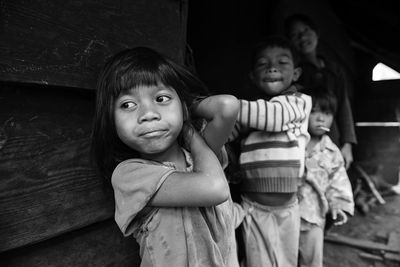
153 133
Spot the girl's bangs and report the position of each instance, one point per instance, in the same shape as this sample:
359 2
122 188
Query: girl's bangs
134 78
147 77
326 104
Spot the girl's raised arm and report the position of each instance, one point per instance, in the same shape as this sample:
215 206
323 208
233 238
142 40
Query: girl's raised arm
221 112
205 186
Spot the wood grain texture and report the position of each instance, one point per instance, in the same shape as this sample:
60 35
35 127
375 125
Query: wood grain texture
66 42
48 186
101 244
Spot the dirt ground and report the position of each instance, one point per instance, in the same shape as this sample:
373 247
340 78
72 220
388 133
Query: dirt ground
375 225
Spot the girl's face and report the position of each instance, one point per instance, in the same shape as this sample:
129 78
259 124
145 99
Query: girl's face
318 121
149 119
304 38
274 70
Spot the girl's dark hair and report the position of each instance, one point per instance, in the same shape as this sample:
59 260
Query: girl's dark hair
324 98
273 41
128 69
298 17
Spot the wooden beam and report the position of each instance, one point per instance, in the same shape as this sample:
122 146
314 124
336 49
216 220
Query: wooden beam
65 43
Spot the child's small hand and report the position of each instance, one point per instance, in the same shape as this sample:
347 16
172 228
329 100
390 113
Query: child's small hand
194 142
339 216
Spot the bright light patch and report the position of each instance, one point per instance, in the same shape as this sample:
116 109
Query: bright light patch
383 72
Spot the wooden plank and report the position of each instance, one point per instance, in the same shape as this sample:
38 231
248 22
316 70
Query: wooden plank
393 242
358 243
48 186
370 183
370 256
101 244
66 42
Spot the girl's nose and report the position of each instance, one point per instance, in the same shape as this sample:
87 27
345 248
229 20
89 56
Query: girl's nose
148 113
321 118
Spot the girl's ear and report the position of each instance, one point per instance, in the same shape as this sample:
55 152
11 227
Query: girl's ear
297 73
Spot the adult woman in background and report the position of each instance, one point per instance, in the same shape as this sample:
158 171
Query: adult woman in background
319 70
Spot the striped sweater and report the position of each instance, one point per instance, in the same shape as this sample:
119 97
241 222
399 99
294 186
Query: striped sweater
272 155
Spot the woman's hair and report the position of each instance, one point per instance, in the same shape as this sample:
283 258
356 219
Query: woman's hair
324 98
128 69
298 17
270 42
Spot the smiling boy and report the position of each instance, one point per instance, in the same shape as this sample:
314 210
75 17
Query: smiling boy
272 156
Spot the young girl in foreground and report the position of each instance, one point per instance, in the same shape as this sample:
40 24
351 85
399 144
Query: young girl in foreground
170 189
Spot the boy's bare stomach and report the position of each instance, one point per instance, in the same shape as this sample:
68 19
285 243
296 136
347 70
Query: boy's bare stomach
272 199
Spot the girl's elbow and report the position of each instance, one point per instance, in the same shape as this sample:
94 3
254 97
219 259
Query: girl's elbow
230 102
229 106
220 191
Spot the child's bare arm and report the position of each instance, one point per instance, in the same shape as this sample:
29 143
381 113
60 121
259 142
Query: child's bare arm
221 112
205 186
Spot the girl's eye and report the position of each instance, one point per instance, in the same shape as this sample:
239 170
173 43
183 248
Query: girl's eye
163 98
128 105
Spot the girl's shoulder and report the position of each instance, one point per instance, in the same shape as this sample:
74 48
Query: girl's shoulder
141 170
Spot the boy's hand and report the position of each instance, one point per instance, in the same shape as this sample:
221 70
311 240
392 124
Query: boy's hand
339 216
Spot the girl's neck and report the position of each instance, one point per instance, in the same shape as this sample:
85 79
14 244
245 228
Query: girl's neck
313 142
173 154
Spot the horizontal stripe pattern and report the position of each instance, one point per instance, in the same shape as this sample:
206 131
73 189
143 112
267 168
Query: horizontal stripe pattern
272 156
270 185
271 144
270 164
281 113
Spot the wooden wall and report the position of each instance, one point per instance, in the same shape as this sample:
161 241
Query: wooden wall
54 209
66 42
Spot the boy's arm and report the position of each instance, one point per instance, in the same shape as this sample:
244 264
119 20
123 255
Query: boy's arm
220 112
279 114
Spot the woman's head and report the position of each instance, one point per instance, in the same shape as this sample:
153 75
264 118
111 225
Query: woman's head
129 77
303 33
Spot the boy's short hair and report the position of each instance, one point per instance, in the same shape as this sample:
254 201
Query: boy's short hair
298 17
324 98
274 41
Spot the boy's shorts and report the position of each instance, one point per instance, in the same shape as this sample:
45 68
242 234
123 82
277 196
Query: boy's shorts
270 234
